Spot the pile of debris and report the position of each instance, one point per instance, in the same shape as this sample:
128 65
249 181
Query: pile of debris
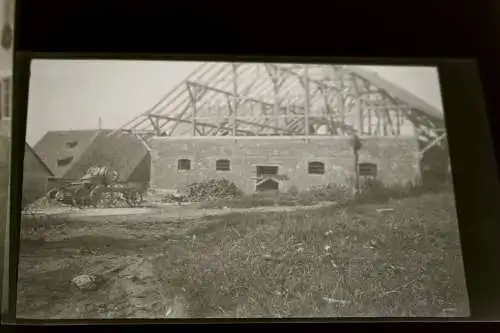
43 204
218 188
112 200
155 195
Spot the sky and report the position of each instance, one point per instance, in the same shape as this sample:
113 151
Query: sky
74 94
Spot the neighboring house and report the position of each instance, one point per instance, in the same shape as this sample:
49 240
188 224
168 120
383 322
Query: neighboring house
69 154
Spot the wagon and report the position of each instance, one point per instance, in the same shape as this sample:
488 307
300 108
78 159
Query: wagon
89 190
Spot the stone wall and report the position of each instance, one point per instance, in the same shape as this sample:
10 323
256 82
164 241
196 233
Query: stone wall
397 160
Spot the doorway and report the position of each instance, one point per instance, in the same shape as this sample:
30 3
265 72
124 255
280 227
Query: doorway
265 181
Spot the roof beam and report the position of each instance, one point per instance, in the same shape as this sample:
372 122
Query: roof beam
185 121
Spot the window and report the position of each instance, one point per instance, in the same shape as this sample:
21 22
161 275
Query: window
263 170
184 164
316 168
223 165
71 144
64 161
5 98
367 169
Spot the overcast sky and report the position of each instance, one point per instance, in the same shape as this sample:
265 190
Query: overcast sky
73 94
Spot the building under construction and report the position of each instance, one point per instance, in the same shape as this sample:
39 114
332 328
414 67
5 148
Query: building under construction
278 126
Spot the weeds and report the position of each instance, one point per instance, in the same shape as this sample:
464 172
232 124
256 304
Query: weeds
326 262
371 192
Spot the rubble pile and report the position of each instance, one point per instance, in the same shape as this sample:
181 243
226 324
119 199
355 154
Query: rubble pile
155 195
42 204
107 200
218 188
112 200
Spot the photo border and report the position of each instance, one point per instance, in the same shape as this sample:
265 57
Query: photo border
471 153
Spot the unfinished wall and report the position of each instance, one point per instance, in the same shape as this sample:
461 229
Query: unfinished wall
397 160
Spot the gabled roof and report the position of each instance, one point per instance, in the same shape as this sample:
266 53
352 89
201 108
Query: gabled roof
54 146
5 144
123 152
42 163
398 93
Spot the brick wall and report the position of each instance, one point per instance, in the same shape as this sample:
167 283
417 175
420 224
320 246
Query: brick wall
397 160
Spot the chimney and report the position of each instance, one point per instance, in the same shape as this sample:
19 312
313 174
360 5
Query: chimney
100 123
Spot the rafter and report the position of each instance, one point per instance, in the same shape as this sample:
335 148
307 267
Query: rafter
278 99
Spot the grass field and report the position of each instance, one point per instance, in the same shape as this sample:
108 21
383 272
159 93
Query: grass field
333 261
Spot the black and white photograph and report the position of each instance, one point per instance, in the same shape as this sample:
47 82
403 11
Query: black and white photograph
189 189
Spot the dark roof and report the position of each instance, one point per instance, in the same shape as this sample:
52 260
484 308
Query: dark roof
42 163
53 147
122 152
5 144
398 93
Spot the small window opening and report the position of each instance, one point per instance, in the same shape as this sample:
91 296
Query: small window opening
71 144
263 170
317 168
184 164
367 169
223 165
64 161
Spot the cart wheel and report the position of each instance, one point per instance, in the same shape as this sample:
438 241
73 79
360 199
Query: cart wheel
134 198
81 198
95 195
51 194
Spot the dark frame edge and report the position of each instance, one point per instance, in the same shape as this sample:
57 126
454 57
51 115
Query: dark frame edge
19 118
458 77
476 183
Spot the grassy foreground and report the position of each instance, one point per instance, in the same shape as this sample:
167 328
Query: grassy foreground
350 261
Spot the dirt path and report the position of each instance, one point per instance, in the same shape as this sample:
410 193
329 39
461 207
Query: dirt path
115 244
190 211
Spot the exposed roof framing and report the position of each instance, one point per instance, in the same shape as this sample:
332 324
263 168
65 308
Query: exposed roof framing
242 99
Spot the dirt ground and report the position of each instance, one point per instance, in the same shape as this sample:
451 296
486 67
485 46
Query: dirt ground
182 261
113 244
